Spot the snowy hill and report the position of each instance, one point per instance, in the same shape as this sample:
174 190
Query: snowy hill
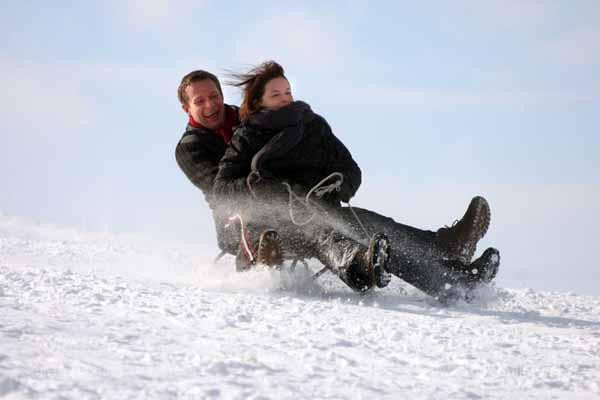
86 315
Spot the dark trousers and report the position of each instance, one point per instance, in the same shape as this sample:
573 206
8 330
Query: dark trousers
415 255
335 237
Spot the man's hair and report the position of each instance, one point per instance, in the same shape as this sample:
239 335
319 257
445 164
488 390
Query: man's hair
253 85
195 76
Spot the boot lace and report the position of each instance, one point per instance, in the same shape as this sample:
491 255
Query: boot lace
451 226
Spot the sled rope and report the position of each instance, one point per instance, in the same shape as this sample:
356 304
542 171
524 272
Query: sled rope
359 221
319 190
243 235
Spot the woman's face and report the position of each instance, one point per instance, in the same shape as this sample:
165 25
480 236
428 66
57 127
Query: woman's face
277 94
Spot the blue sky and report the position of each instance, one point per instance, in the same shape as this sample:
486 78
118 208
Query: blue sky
437 102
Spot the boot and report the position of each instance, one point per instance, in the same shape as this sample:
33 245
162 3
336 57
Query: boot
369 268
460 240
266 252
469 277
378 256
269 249
485 268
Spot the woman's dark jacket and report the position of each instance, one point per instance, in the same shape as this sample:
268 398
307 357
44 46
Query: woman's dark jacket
198 154
291 144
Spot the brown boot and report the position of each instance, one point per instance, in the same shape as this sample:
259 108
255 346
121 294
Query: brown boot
269 249
461 238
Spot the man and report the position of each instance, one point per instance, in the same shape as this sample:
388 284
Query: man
210 127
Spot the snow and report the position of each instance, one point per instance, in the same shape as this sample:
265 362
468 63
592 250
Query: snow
88 315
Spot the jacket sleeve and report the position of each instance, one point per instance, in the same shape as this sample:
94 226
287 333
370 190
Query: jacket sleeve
199 161
340 160
231 186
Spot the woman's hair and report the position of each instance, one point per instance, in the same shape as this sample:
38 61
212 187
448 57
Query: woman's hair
253 85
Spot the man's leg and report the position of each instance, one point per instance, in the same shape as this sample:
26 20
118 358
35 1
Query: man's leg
228 235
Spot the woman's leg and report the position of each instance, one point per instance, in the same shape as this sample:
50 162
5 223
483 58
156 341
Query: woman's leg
415 255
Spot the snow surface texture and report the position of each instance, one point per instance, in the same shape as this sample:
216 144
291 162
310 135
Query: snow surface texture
88 316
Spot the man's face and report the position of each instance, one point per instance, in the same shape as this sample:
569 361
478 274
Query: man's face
205 104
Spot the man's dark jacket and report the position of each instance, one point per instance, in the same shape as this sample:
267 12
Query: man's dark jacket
198 154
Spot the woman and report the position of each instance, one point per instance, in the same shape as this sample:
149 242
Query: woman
282 141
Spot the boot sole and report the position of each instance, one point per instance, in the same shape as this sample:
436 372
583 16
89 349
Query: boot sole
491 266
269 249
481 223
483 216
485 268
379 255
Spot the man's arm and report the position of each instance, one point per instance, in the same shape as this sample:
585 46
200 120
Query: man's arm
198 157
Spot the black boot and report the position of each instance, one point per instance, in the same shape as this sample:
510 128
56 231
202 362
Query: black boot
482 270
485 268
378 256
368 267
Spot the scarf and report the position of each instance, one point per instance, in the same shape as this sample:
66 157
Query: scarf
289 123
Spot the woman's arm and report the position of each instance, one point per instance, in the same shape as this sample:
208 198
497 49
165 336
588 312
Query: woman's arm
234 167
340 160
232 183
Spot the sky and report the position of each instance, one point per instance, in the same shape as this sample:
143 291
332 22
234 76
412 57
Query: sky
437 101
